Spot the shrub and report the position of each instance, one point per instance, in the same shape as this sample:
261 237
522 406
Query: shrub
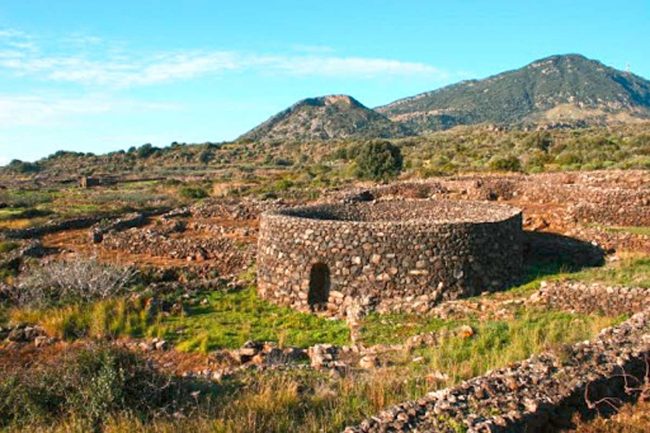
72 281
508 163
7 246
26 198
379 160
205 156
91 385
193 192
568 158
282 185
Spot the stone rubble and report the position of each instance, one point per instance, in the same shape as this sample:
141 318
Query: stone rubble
23 333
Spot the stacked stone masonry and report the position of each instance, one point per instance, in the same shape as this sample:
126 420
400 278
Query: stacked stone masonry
576 296
328 257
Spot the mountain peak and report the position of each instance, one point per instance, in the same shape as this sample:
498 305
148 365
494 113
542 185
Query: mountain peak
569 88
321 101
323 118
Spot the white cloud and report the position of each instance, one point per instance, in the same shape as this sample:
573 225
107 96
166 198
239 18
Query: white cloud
53 110
352 66
22 57
11 34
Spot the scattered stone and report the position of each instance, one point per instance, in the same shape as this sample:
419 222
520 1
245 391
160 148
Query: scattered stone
369 362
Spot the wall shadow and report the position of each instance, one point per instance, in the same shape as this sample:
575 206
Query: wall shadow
552 253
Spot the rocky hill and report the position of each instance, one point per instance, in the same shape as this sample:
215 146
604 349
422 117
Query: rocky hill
567 90
323 118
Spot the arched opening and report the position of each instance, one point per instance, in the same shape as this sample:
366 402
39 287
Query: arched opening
319 287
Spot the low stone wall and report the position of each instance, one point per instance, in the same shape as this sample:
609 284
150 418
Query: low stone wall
576 296
52 227
335 255
118 224
69 224
239 209
167 241
540 394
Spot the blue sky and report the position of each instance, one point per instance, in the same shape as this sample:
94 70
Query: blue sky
98 76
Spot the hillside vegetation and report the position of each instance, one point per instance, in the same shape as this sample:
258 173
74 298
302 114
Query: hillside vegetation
558 89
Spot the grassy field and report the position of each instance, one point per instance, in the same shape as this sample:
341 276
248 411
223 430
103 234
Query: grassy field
307 401
225 320
228 319
310 401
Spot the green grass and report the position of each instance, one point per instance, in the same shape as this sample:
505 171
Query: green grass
7 246
230 319
227 321
308 401
394 328
630 271
108 318
7 214
500 342
635 230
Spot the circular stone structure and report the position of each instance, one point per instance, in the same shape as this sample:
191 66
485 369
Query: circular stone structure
392 254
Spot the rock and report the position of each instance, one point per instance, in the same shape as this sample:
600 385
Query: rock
437 377
17 335
465 331
96 236
368 361
41 341
145 347
293 354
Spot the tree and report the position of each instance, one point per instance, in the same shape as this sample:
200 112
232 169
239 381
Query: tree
146 150
379 160
24 167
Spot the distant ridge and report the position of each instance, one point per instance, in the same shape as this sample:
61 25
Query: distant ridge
557 91
569 89
324 118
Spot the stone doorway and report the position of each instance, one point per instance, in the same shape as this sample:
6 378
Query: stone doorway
319 287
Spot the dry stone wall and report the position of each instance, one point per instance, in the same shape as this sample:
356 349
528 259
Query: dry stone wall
329 257
540 394
580 297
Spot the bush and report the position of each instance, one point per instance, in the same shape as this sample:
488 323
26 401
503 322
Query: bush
508 163
26 198
72 281
379 160
205 156
193 192
90 385
7 246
